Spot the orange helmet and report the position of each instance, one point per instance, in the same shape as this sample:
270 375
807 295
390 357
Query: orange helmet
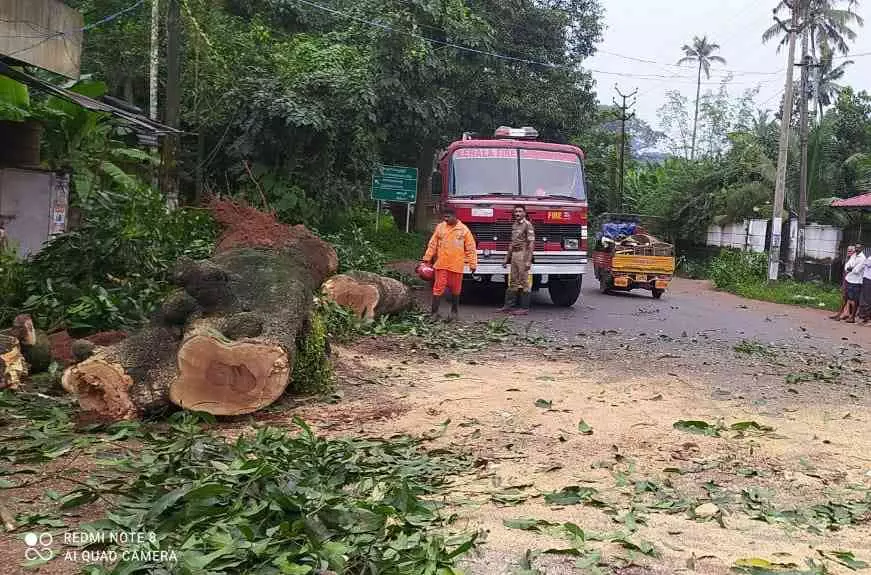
425 272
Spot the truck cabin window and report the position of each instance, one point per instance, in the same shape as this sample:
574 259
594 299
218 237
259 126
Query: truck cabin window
516 172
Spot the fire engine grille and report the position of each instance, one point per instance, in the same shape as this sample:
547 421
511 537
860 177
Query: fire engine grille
500 232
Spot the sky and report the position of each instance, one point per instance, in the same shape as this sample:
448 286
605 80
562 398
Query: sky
643 40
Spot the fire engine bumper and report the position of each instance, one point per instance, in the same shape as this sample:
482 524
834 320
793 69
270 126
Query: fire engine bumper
544 263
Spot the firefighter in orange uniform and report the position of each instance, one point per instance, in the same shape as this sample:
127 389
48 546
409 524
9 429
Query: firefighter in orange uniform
452 246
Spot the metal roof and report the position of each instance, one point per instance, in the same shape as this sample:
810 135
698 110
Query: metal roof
863 201
138 122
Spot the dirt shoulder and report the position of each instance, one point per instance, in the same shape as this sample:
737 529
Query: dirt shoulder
519 411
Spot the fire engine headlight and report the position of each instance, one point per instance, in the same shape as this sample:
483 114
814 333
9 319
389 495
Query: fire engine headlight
572 244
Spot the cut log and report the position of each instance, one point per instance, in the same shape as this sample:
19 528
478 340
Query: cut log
243 292
226 340
368 295
13 367
224 377
102 388
128 379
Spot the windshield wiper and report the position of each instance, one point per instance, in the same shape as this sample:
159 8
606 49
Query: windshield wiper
498 194
563 196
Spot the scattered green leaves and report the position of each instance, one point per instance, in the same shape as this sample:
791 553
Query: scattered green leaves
571 495
585 428
699 427
845 558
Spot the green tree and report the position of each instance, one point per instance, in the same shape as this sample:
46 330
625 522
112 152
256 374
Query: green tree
700 52
826 86
827 27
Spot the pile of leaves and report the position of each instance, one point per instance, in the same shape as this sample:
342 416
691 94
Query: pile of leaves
112 271
281 503
343 325
271 502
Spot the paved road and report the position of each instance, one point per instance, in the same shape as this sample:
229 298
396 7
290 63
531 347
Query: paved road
689 307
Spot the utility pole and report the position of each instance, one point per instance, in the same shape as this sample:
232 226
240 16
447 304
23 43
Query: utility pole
783 151
173 101
624 116
806 64
153 71
154 59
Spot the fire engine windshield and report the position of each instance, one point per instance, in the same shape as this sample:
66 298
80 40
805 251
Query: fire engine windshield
516 172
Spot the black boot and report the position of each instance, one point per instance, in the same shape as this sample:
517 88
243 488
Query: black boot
455 307
525 299
510 300
436 303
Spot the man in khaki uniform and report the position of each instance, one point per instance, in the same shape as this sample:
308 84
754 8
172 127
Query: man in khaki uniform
519 257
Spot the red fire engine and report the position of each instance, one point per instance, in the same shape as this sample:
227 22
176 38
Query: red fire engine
483 179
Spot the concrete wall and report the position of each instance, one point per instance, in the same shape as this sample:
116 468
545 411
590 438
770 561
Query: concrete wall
747 235
821 242
33 206
43 33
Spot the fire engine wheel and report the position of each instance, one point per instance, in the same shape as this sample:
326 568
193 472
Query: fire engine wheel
657 293
565 292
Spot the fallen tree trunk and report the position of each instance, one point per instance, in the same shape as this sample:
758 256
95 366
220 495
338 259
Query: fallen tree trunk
368 295
12 364
128 379
224 342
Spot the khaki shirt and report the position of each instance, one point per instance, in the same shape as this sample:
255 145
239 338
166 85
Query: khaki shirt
522 236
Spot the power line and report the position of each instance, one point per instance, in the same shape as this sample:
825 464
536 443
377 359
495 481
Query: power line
497 55
726 71
58 34
114 16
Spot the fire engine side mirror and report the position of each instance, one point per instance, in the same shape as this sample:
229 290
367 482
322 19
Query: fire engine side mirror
436 186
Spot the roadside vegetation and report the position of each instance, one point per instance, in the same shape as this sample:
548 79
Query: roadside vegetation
746 274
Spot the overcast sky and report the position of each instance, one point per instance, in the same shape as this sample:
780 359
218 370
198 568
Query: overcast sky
654 31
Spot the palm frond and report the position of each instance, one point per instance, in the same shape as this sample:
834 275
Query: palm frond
687 60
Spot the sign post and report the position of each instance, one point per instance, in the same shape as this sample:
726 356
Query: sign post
395 184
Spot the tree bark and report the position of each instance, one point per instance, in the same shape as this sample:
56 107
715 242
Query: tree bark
368 295
223 343
12 364
696 120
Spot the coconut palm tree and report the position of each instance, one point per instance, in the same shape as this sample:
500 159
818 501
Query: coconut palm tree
701 52
828 26
826 87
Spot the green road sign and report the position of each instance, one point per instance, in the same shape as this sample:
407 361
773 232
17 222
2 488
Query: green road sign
395 184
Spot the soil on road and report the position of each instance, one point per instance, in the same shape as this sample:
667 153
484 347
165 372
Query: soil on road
775 466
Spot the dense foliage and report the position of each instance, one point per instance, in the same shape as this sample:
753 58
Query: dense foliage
296 101
733 176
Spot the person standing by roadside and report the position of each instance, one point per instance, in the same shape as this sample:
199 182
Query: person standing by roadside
850 251
519 257
855 268
865 295
452 246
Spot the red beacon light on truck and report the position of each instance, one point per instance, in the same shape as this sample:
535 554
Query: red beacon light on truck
525 133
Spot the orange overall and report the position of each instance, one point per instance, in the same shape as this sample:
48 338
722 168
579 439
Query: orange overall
452 247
